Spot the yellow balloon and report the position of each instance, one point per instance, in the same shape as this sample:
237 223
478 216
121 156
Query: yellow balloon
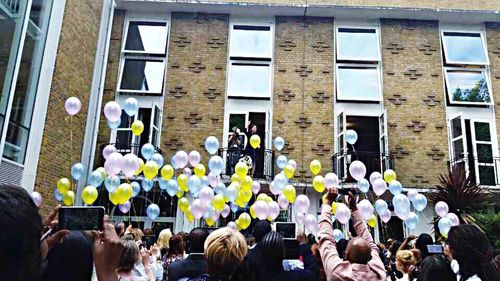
113 199
218 202
89 194
252 212
289 193
150 170
239 201
69 198
209 221
179 193
268 199
182 180
255 141
245 195
315 167
141 167
289 171
189 215
319 183
63 185
246 183
183 204
103 173
334 207
244 220
241 169
235 178
389 175
123 193
137 127
262 196
372 221
167 172
200 170
238 225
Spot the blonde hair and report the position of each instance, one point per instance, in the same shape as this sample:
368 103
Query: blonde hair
225 250
406 259
164 238
138 234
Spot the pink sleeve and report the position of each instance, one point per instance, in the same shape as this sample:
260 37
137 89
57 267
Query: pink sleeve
327 247
362 231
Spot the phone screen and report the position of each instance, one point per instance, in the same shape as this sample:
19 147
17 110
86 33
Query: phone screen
148 240
291 249
81 218
435 249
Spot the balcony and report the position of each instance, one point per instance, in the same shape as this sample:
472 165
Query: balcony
484 171
124 149
264 168
374 162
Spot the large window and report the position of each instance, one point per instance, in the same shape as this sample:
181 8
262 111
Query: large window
466 68
143 57
250 60
358 64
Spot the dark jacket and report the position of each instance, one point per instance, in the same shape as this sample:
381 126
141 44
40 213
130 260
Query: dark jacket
273 271
193 266
252 266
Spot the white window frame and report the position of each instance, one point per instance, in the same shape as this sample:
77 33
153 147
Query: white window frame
122 66
449 92
476 142
130 19
445 50
351 65
365 27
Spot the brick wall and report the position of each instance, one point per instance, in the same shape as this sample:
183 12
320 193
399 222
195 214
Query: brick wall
62 138
493 41
414 99
303 89
195 84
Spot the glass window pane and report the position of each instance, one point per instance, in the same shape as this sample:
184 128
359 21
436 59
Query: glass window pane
482 131
7 56
468 86
464 47
150 37
143 75
357 44
456 125
126 121
251 41
123 139
358 84
236 120
249 80
484 153
486 175
458 149
156 120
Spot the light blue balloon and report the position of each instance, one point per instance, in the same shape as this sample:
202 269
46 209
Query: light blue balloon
395 187
131 106
114 125
172 187
95 179
112 183
280 181
194 185
212 145
444 225
337 235
281 161
172 162
208 212
216 165
401 204
147 185
351 137
381 206
231 193
204 181
153 211
220 189
279 143
57 195
136 188
234 207
364 185
419 202
158 159
163 184
77 171
412 221
147 151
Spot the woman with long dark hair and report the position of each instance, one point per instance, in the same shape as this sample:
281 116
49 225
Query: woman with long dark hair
175 253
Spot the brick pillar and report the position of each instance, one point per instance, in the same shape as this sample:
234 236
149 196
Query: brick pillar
493 41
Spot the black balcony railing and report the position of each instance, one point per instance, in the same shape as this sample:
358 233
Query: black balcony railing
264 162
124 149
483 171
374 162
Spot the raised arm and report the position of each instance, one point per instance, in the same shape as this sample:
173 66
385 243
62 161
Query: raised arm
327 247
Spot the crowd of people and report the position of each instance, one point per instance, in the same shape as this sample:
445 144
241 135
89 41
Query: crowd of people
119 253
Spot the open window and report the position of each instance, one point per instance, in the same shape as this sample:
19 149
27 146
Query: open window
464 48
384 145
341 150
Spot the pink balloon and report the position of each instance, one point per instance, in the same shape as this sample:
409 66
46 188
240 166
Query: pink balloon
274 189
206 195
385 216
260 209
453 218
255 187
215 215
273 210
379 186
365 209
299 218
113 111
188 172
213 180
343 213
302 203
411 194
441 208
283 202
72 105
374 176
357 170
226 211
37 198
402 214
125 207
331 180
231 225
108 149
292 163
194 158
130 164
181 159
197 208
113 163
311 223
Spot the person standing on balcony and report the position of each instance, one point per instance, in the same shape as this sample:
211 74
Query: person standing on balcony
234 149
252 152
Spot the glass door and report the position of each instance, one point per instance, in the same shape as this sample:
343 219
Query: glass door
483 153
341 149
458 142
384 155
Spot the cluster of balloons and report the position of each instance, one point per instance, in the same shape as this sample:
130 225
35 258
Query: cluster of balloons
446 219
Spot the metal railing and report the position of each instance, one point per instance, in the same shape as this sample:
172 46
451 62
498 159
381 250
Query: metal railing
11 5
264 168
483 171
374 162
123 149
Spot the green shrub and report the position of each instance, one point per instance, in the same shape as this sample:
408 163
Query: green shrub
490 224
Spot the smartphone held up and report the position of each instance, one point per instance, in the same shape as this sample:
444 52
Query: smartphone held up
81 218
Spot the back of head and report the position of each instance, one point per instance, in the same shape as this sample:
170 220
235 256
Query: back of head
311 239
138 234
472 250
163 238
129 257
196 240
421 244
341 246
394 248
405 259
358 251
260 229
176 245
435 268
273 247
225 250
70 260
20 232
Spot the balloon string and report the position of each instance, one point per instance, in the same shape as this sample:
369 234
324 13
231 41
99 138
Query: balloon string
71 139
